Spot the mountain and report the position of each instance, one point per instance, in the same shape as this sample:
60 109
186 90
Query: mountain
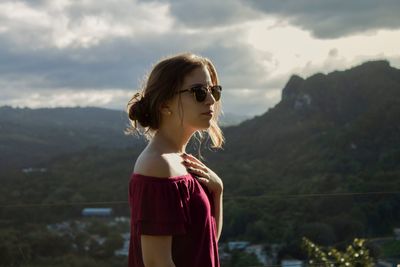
334 133
350 116
305 167
29 137
230 119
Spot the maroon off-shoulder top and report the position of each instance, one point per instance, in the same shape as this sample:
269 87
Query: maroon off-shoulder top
179 206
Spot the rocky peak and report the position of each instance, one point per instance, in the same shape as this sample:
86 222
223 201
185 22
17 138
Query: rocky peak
292 88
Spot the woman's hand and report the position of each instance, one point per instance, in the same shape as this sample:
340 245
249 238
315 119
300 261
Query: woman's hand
205 175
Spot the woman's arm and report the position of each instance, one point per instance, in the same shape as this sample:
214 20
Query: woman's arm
156 251
218 208
214 184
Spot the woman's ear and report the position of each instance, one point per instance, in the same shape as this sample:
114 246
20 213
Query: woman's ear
165 109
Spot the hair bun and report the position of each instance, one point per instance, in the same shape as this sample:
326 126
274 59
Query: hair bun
139 111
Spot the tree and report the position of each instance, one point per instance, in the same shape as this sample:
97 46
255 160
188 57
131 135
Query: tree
321 232
356 255
243 259
114 241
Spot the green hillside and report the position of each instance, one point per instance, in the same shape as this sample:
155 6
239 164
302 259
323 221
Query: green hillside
323 163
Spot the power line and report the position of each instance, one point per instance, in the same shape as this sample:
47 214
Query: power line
62 204
311 195
277 196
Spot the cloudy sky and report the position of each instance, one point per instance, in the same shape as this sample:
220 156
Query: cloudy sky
96 53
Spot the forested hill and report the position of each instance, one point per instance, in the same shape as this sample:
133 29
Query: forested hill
335 134
330 134
341 123
30 137
33 136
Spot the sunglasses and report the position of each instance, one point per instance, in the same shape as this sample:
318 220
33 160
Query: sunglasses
200 91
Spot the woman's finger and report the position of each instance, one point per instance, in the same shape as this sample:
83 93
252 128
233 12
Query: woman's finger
191 157
195 165
203 173
200 172
203 180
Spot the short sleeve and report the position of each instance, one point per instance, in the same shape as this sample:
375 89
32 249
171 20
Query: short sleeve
159 206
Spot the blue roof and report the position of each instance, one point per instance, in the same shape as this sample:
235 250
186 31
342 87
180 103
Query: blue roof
97 211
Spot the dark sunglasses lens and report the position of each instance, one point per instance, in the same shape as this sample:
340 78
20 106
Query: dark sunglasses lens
201 92
216 92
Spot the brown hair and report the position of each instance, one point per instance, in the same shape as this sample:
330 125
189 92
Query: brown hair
164 80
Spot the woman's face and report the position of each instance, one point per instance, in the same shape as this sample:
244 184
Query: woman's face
187 111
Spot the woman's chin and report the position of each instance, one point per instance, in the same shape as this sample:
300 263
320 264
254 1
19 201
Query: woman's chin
207 125
204 126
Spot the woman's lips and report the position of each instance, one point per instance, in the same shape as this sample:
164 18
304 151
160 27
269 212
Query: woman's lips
209 113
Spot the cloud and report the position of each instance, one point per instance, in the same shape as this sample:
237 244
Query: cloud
106 58
250 101
211 14
107 98
333 19
61 52
239 65
324 19
81 23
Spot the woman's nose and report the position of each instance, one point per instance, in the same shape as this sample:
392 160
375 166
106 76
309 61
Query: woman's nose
210 98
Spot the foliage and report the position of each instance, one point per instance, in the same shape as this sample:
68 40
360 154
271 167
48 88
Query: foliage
356 255
242 259
391 249
35 245
283 171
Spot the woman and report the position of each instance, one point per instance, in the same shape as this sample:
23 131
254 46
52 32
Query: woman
175 200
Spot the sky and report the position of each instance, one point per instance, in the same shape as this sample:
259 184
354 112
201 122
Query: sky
63 53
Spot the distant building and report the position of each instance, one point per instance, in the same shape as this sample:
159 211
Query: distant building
224 256
97 212
382 263
124 251
29 170
238 244
60 228
396 232
99 239
388 263
259 251
121 219
291 263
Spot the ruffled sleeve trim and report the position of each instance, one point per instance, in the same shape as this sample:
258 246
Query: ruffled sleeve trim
160 205
160 179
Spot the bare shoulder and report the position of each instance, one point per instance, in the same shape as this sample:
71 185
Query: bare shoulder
158 165
152 165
